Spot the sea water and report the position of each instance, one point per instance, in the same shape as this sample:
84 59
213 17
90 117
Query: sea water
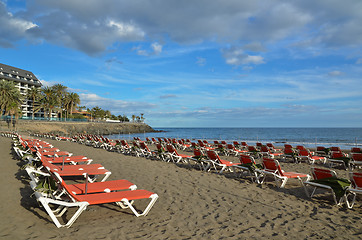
309 137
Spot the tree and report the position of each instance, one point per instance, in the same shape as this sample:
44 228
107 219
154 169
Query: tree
60 93
50 100
125 118
5 90
10 98
133 118
107 114
81 108
97 112
34 94
14 108
71 100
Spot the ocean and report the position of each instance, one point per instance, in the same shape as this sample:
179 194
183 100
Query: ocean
344 138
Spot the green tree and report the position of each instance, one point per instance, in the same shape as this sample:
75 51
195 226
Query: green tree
60 93
5 91
107 114
14 108
34 94
50 100
10 98
97 112
71 100
125 118
81 108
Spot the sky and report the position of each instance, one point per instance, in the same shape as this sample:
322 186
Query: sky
200 63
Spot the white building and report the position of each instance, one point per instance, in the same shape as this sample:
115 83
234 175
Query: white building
24 80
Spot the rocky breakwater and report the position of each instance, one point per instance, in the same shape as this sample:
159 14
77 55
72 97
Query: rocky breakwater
68 128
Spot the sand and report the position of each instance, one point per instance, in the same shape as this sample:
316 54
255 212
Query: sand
191 205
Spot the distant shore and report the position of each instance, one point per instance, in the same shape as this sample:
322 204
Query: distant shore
69 128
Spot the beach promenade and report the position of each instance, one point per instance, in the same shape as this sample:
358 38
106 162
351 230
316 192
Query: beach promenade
192 204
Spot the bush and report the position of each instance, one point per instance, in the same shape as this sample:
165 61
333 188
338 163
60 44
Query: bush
76 116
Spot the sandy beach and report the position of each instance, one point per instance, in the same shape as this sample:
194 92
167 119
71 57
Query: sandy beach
191 205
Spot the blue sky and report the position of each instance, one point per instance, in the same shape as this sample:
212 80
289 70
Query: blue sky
199 63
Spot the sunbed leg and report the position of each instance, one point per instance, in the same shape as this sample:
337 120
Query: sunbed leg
335 199
256 177
313 192
284 181
207 167
222 169
262 177
46 201
306 190
76 214
350 205
153 197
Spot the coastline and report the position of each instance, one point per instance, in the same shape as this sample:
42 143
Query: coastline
70 128
308 137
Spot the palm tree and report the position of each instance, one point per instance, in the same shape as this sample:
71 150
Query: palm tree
72 100
14 108
133 118
34 94
60 92
10 97
50 100
5 89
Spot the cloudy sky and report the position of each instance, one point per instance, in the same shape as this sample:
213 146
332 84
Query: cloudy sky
201 63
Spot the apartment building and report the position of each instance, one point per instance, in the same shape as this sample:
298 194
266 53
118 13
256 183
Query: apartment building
24 80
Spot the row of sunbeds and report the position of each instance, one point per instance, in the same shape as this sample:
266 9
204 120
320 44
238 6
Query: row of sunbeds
205 157
332 156
48 168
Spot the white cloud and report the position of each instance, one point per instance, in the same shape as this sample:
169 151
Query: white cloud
12 27
157 48
236 56
97 25
115 106
124 30
47 83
